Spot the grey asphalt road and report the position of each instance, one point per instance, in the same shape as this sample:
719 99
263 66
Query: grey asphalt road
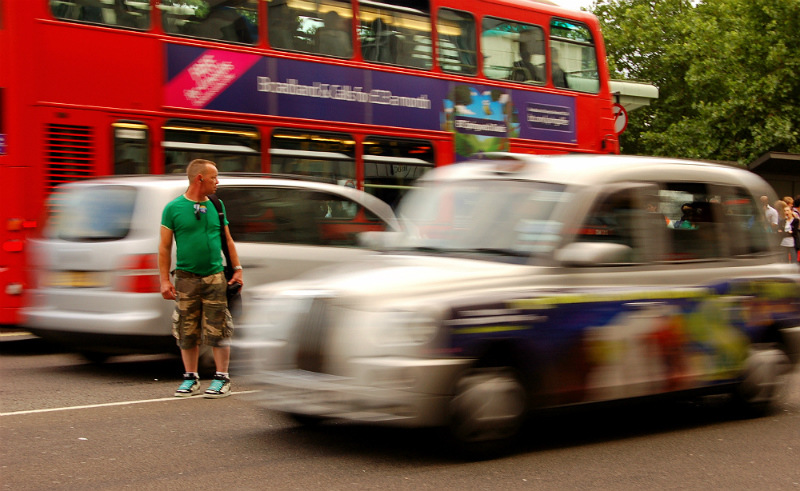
67 424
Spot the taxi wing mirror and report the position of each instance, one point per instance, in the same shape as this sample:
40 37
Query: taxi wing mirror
583 254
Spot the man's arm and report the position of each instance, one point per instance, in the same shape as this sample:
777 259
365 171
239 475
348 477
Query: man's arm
237 273
164 262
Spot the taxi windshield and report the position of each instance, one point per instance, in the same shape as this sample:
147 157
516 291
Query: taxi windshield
500 217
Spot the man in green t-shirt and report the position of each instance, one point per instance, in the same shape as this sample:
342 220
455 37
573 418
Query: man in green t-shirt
201 309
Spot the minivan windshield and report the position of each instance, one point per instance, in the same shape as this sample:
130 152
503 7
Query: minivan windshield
91 213
498 217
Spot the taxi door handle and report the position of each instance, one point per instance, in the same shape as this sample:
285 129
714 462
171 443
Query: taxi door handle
643 305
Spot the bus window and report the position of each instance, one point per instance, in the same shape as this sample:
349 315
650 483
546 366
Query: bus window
391 166
123 13
398 34
130 148
329 156
573 59
234 148
457 48
235 22
513 51
313 26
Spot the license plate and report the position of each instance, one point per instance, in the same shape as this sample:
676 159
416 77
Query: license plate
75 279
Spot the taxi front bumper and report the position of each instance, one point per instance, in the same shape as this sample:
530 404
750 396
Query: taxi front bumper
395 391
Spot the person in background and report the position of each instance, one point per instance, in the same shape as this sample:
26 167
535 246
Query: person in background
790 203
559 77
788 231
334 37
525 71
771 213
201 309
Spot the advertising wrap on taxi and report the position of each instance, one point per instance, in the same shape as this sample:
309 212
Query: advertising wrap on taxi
481 117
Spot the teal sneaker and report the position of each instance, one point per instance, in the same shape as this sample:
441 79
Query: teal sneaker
189 387
220 387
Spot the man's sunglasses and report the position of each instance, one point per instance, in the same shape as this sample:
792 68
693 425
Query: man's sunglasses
197 211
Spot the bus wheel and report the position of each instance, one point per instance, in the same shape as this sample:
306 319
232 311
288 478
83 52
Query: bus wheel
487 410
764 378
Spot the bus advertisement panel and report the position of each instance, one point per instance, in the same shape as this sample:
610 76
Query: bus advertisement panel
481 117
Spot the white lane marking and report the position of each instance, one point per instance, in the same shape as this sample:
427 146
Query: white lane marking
123 403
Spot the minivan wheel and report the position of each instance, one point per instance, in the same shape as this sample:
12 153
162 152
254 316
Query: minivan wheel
764 378
206 364
487 409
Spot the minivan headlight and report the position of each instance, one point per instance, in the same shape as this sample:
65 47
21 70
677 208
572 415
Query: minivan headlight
408 327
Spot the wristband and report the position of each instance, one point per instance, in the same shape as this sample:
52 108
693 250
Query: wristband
237 268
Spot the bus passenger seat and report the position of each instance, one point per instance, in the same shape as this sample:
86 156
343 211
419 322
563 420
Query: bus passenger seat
333 42
282 25
519 73
384 46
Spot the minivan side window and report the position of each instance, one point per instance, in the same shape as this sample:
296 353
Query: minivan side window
283 215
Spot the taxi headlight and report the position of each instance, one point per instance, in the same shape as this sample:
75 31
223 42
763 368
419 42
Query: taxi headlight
270 317
408 327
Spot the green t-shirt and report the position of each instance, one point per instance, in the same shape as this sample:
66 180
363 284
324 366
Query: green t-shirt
197 240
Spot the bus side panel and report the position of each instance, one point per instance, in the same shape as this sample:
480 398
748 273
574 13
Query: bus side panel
16 223
87 66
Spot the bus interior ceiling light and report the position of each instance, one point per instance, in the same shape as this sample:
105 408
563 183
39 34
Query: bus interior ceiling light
249 134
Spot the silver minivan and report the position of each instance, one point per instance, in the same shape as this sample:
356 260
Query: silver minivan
94 269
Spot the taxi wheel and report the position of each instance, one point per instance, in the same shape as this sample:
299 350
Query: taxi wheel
95 356
765 376
306 419
487 409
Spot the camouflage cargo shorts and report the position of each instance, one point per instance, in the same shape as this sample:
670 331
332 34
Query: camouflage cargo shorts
201 310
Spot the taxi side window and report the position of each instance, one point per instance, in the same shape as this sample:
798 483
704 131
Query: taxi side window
693 215
745 221
614 218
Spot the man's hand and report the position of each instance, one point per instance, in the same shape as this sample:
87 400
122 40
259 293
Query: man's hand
168 290
236 278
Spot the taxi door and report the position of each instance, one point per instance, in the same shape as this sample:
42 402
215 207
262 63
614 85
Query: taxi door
620 320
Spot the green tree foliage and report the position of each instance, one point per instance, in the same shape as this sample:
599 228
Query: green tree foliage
726 70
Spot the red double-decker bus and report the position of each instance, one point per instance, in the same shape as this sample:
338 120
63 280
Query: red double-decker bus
364 93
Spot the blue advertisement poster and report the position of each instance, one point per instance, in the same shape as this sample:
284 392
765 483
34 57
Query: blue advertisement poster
481 118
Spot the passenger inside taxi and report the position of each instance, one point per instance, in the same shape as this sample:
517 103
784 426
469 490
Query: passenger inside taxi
686 221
